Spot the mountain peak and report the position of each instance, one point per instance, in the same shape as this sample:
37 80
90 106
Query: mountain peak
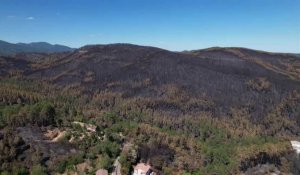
7 48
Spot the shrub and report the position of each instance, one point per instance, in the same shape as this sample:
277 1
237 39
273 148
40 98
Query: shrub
105 162
259 84
38 170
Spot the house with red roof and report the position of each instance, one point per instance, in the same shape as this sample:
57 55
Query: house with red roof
142 169
102 172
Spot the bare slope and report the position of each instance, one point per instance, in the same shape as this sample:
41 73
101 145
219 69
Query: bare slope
224 77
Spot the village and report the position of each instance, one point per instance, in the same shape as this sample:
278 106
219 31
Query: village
139 169
49 142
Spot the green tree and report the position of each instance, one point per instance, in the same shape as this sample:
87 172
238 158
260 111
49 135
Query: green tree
38 170
105 162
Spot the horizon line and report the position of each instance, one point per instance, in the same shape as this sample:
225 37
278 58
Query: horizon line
145 45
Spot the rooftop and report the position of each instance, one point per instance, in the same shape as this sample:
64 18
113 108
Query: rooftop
101 172
143 167
296 146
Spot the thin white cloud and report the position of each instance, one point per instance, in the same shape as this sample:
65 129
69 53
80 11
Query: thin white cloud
30 18
11 16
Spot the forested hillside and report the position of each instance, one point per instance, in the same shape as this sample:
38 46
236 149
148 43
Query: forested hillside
212 111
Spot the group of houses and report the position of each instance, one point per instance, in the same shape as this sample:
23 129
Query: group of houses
139 169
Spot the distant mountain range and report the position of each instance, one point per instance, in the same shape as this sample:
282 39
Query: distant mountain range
8 49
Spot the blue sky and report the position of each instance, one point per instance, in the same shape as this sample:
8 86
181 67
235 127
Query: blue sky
272 25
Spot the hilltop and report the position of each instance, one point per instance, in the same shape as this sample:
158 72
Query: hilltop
209 111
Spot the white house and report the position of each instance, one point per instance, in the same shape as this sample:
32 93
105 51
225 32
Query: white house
296 146
142 169
102 172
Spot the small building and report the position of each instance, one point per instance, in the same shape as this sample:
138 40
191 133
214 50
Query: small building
101 172
142 169
91 127
296 146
